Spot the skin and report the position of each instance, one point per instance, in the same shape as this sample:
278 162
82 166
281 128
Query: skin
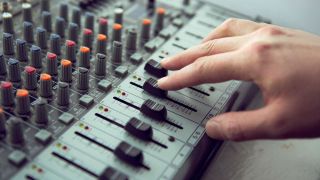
283 62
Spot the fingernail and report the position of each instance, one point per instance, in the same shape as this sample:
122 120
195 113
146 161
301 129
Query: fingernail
161 81
213 129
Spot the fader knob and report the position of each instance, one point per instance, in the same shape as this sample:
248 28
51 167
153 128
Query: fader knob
55 46
35 57
63 94
131 41
89 21
41 35
45 85
84 60
30 80
112 174
129 154
52 65
28 32
76 17
159 20
3 68
139 129
3 130
71 51
60 26
45 5
64 11
7 44
101 44
103 26
46 21
154 110
66 71
83 79
41 112
21 49
116 53
7 23
154 68
117 31
118 15
14 70
152 88
100 65
23 102
6 94
16 137
73 32
27 12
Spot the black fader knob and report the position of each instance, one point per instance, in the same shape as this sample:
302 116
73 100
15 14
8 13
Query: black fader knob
154 68
154 110
139 129
129 154
152 88
112 174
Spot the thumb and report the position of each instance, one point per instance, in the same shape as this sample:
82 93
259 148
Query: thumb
240 126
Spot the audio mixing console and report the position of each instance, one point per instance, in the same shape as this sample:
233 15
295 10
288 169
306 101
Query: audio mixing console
79 96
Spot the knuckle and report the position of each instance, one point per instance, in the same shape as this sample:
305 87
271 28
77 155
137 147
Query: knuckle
270 31
229 23
279 127
208 47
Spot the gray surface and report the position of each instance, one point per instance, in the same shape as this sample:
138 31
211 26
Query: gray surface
265 159
299 14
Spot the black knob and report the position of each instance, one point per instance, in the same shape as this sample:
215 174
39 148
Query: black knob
84 60
30 79
60 26
21 49
16 137
7 44
116 53
89 21
131 41
41 34
101 44
83 79
112 174
116 33
14 70
55 46
46 21
159 20
45 85
45 5
87 38
145 31
100 65
152 88
154 68
103 26
129 154
28 32
41 112
66 71
71 51
23 102
35 57
3 130
7 23
3 67
6 94
154 110
51 64
139 129
76 16
27 12
63 94
64 11
73 32
118 15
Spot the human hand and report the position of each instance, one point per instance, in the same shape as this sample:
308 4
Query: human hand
283 62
